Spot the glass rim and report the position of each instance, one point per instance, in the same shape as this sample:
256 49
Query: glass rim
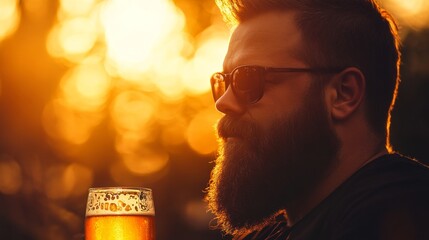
114 201
136 189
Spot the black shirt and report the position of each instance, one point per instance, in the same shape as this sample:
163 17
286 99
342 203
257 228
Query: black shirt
386 199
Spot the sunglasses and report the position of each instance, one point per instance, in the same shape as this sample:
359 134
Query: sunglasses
247 82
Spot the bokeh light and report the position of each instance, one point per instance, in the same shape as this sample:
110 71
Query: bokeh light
9 17
86 87
67 181
205 59
76 7
116 92
133 65
412 13
77 32
147 161
201 132
73 38
63 123
11 178
135 30
133 111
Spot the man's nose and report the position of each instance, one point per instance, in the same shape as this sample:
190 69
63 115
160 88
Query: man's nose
229 104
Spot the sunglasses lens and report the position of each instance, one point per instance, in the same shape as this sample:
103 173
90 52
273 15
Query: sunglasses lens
218 85
247 83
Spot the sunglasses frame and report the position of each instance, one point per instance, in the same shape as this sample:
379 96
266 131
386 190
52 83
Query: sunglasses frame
227 79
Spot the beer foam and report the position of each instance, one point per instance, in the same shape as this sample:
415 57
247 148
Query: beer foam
120 201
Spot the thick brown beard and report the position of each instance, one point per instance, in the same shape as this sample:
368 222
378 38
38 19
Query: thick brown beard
257 174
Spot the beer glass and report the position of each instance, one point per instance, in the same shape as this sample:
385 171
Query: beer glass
120 214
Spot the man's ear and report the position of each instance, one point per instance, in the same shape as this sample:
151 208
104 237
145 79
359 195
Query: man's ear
348 91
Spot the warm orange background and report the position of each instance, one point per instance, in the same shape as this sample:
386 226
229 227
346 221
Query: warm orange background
116 93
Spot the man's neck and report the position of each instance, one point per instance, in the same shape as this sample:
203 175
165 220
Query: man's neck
340 172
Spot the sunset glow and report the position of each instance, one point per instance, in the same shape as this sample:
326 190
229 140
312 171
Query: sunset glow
134 54
103 93
133 66
135 30
9 17
410 12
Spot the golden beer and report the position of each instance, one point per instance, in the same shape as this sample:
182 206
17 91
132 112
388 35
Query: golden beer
120 214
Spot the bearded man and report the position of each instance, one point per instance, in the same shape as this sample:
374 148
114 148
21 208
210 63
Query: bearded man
307 90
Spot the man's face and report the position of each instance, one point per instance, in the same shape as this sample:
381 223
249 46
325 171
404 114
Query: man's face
273 152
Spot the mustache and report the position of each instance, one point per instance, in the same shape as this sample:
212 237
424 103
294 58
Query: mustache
236 127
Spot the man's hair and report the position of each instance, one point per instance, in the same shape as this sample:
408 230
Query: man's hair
342 33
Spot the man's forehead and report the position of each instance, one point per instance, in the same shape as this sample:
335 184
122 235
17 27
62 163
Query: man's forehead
268 37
